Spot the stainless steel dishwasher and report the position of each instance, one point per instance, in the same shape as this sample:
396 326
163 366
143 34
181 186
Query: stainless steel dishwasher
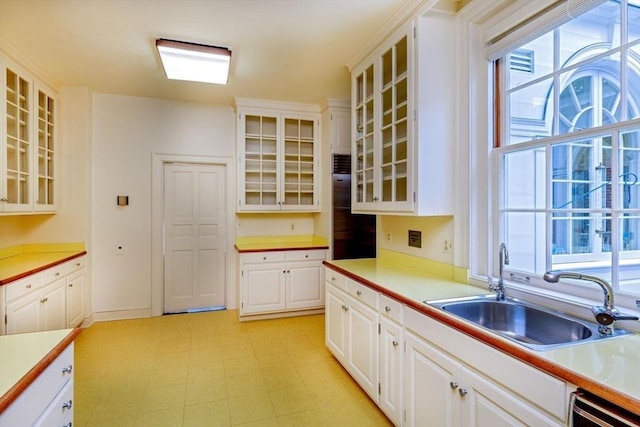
588 410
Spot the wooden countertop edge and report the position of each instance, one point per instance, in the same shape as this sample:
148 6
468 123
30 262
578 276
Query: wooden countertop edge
18 276
614 396
277 249
15 391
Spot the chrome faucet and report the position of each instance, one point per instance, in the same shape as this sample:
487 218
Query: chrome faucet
503 253
607 313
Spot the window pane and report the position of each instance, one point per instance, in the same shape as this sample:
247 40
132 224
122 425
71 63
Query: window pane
524 179
633 21
629 185
630 226
589 34
578 178
530 110
633 80
541 65
525 238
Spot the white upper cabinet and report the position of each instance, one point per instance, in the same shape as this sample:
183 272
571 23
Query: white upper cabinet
27 142
403 121
278 156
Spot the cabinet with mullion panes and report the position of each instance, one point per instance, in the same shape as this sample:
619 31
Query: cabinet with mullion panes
27 142
278 159
17 146
45 185
403 121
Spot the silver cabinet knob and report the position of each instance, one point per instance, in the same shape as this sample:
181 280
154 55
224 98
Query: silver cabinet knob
395 343
67 405
453 385
463 392
358 293
387 308
67 370
333 279
28 286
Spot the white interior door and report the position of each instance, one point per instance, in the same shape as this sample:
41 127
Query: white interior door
195 237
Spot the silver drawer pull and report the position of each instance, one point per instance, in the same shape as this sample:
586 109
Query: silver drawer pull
43 300
387 308
77 264
358 293
67 370
28 286
463 392
395 343
333 279
57 274
67 405
69 424
306 256
264 257
453 385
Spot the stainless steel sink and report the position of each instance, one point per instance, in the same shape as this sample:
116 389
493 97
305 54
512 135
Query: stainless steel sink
534 326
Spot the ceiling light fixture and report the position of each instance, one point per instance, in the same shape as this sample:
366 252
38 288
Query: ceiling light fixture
194 62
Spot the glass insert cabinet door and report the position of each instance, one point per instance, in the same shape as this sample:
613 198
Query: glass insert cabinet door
260 161
17 144
279 162
45 197
381 143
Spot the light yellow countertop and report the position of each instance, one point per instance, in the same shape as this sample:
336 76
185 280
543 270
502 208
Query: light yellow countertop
21 261
279 243
601 365
24 356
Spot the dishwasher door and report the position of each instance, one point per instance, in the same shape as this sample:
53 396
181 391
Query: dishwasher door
588 410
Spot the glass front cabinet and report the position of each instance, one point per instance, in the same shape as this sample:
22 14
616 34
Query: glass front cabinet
278 157
27 143
402 127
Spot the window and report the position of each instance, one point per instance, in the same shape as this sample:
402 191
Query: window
568 145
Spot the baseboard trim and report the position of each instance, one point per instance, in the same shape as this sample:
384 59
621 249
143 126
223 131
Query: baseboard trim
249 317
104 316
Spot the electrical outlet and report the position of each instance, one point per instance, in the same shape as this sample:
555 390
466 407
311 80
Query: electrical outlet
388 236
293 227
448 247
119 250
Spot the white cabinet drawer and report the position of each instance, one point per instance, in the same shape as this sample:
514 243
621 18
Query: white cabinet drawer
54 273
254 257
391 308
310 255
60 412
18 288
76 264
363 293
335 279
30 405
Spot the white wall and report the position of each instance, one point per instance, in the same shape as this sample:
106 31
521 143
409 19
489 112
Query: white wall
71 222
435 230
126 131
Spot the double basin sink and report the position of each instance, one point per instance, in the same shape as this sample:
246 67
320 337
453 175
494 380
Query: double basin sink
533 326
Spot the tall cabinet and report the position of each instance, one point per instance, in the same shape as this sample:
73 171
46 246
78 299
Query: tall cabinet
278 156
27 142
403 121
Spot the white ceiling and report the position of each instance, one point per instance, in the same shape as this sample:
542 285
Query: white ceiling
290 50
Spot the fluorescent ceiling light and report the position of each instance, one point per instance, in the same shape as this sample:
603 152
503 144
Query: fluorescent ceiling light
194 62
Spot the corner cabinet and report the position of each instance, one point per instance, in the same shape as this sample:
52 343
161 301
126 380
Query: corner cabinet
278 156
403 121
27 143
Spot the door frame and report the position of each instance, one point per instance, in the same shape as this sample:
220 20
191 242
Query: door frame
157 225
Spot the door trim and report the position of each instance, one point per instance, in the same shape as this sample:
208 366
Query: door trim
157 237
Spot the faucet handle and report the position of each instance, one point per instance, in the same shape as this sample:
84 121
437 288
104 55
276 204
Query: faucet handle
608 316
618 317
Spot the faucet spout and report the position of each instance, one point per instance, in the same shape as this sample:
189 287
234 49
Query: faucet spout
503 254
555 276
605 315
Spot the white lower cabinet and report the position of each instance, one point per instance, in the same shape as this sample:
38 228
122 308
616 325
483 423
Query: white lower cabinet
48 401
50 299
422 372
352 330
281 281
391 355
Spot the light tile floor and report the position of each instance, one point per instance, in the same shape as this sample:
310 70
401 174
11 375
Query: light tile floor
208 369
